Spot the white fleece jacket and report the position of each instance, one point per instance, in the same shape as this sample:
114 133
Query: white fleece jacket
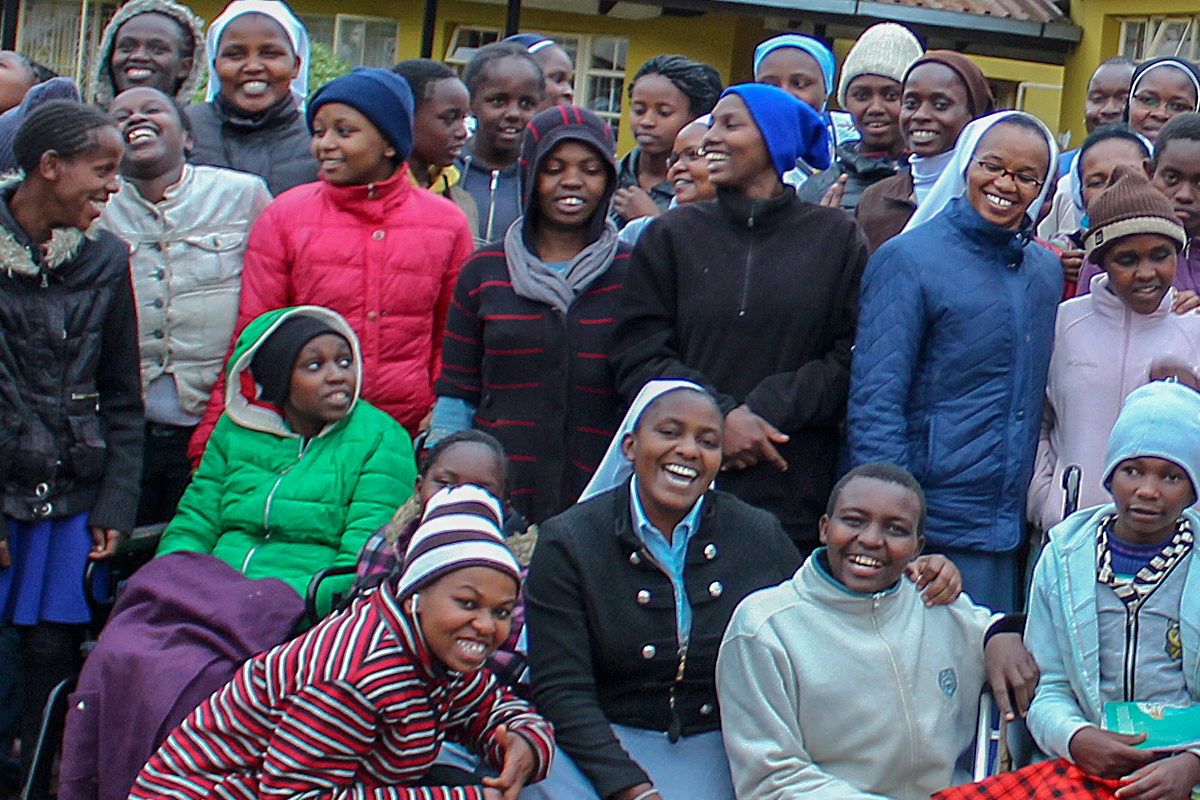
826 694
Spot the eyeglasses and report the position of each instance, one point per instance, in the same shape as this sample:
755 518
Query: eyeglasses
995 171
1153 101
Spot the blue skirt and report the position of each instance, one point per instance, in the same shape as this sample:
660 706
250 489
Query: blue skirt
45 581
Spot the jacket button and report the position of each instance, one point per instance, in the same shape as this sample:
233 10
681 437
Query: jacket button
41 489
1020 415
710 551
635 559
643 597
371 315
159 334
158 274
378 236
158 302
43 509
707 709
648 651
715 589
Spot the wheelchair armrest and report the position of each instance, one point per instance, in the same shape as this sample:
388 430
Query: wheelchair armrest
311 616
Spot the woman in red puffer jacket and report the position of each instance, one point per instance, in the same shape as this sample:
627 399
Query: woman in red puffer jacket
364 242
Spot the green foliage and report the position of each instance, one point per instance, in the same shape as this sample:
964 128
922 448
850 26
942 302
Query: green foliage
324 65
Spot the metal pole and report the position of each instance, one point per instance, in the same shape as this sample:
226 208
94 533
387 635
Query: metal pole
428 27
9 15
512 20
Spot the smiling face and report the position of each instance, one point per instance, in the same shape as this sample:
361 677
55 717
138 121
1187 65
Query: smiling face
322 386
736 152
1177 175
688 173
571 183
1096 165
255 62
463 463
16 78
155 140
466 615
560 76
657 112
1006 174
348 147
934 109
1140 269
440 123
1107 94
874 103
871 536
676 452
1150 493
503 103
80 186
797 73
1161 93
149 50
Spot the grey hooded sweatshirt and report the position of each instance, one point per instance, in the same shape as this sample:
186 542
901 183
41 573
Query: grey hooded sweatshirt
103 89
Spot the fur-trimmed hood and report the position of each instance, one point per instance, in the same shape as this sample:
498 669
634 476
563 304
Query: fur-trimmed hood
103 91
16 258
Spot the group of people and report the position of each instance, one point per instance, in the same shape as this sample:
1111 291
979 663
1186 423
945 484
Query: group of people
700 433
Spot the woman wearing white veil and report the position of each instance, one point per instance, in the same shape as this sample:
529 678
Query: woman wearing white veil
953 345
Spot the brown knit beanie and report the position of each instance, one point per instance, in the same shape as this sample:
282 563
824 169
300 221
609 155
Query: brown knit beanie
979 93
1129 205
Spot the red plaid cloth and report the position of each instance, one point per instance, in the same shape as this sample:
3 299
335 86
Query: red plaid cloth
1048 780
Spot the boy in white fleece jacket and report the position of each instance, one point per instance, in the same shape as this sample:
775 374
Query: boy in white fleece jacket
840 683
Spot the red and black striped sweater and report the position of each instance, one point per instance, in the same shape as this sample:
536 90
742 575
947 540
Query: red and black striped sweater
354 708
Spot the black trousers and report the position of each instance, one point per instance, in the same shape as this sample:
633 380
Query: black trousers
166 471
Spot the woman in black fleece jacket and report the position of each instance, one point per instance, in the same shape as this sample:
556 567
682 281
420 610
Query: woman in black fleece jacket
754 296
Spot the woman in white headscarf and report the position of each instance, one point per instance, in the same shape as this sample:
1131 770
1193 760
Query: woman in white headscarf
257 84
953 345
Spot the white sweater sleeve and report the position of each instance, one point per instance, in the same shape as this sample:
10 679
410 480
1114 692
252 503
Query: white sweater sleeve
760 723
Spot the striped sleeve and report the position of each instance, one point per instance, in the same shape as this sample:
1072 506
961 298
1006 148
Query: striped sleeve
484 704
462 340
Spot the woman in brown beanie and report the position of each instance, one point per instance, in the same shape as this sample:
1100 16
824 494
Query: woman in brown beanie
943 91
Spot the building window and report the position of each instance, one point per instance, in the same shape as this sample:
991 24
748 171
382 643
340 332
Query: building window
51 33
358 40
1150 37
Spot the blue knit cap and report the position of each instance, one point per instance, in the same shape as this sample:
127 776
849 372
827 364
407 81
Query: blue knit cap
822 54
789 127
1161 420
380 95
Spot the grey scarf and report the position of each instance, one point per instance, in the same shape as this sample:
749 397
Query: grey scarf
533 280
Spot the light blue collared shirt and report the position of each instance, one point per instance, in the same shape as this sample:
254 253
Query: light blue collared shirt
672 555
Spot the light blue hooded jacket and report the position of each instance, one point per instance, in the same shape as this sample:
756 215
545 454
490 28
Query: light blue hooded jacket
1062 631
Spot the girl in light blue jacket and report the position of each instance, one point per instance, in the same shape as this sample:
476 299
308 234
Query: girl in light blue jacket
1114 612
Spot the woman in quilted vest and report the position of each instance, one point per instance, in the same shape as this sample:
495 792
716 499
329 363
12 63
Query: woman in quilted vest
186 227
527 335
364 242
299 470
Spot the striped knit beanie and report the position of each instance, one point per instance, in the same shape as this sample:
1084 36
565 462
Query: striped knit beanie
461 527
1130 205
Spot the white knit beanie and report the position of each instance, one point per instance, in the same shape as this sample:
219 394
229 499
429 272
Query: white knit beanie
886 49
461 527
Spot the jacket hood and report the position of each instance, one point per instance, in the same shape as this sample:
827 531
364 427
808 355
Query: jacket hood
15 247
243 403
103 88
545 132
1162 420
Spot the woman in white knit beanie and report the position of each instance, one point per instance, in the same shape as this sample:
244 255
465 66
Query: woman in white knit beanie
869 88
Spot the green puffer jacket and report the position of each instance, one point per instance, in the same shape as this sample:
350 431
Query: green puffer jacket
271 504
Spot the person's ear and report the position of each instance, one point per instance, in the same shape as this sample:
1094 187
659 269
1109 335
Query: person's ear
188 143
1148 167
389 153
185 67
822 528
920 545
627 445
50 165
296 69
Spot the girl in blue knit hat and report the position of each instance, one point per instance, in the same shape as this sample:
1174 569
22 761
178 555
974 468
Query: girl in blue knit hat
1114 608
364 242
772 343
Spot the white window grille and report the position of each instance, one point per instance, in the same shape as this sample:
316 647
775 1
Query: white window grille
361 41
65 36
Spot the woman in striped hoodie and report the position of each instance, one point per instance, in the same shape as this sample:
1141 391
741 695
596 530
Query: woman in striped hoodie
359 705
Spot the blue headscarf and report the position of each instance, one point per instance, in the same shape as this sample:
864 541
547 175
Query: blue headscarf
819 52
790 128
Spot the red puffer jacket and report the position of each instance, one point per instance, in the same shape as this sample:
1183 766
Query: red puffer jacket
385 256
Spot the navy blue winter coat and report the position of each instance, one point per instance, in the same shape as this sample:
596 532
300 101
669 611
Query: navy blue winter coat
949 370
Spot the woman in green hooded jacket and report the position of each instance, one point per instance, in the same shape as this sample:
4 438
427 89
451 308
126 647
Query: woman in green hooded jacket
299 471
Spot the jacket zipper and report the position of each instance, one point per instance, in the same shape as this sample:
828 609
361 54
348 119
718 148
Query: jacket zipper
749 262
1131 632
267 506
492 203
912 746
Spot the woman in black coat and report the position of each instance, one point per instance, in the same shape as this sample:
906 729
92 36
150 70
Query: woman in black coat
754 296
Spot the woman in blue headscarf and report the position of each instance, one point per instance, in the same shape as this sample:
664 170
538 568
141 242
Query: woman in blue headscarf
753 297
804 68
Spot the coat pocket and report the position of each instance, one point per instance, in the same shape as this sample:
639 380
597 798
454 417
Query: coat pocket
87 451
217 257
10 433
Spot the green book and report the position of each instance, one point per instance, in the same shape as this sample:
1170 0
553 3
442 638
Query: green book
1167 728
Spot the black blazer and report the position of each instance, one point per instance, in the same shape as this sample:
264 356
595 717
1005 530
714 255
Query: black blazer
601 619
